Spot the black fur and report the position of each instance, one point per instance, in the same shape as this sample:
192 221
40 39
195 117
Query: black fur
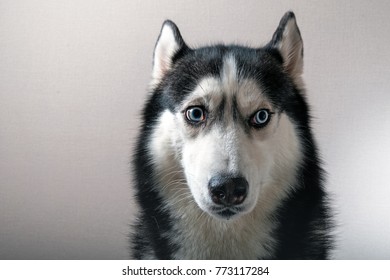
303 219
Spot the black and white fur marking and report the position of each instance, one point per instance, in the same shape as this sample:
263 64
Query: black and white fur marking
225 165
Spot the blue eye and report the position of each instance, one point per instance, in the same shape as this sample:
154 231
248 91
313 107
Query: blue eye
196 114
260 118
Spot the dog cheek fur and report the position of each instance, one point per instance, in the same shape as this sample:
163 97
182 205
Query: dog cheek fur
165 149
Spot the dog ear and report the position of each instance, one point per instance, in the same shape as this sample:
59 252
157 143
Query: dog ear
169 43
288 41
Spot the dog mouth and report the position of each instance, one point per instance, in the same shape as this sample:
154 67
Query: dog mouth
226 213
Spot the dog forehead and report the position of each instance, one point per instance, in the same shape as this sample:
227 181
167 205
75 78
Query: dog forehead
229 86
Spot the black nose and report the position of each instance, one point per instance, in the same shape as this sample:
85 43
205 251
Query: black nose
228 190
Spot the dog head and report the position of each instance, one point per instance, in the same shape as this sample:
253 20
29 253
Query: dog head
227 118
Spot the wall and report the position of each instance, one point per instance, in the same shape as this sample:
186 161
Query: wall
73 77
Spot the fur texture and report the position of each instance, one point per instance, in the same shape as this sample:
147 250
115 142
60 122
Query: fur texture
225 165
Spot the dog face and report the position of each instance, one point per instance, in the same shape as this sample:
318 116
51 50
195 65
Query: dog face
225 122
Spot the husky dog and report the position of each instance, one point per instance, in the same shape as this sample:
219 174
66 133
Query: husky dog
225 165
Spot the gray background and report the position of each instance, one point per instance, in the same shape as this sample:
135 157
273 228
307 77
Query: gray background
73 78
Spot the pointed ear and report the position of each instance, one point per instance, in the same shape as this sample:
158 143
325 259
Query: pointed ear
169 43
287 40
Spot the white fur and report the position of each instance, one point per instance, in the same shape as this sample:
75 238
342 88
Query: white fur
267 158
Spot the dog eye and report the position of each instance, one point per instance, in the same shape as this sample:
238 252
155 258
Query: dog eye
260 118
196 114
